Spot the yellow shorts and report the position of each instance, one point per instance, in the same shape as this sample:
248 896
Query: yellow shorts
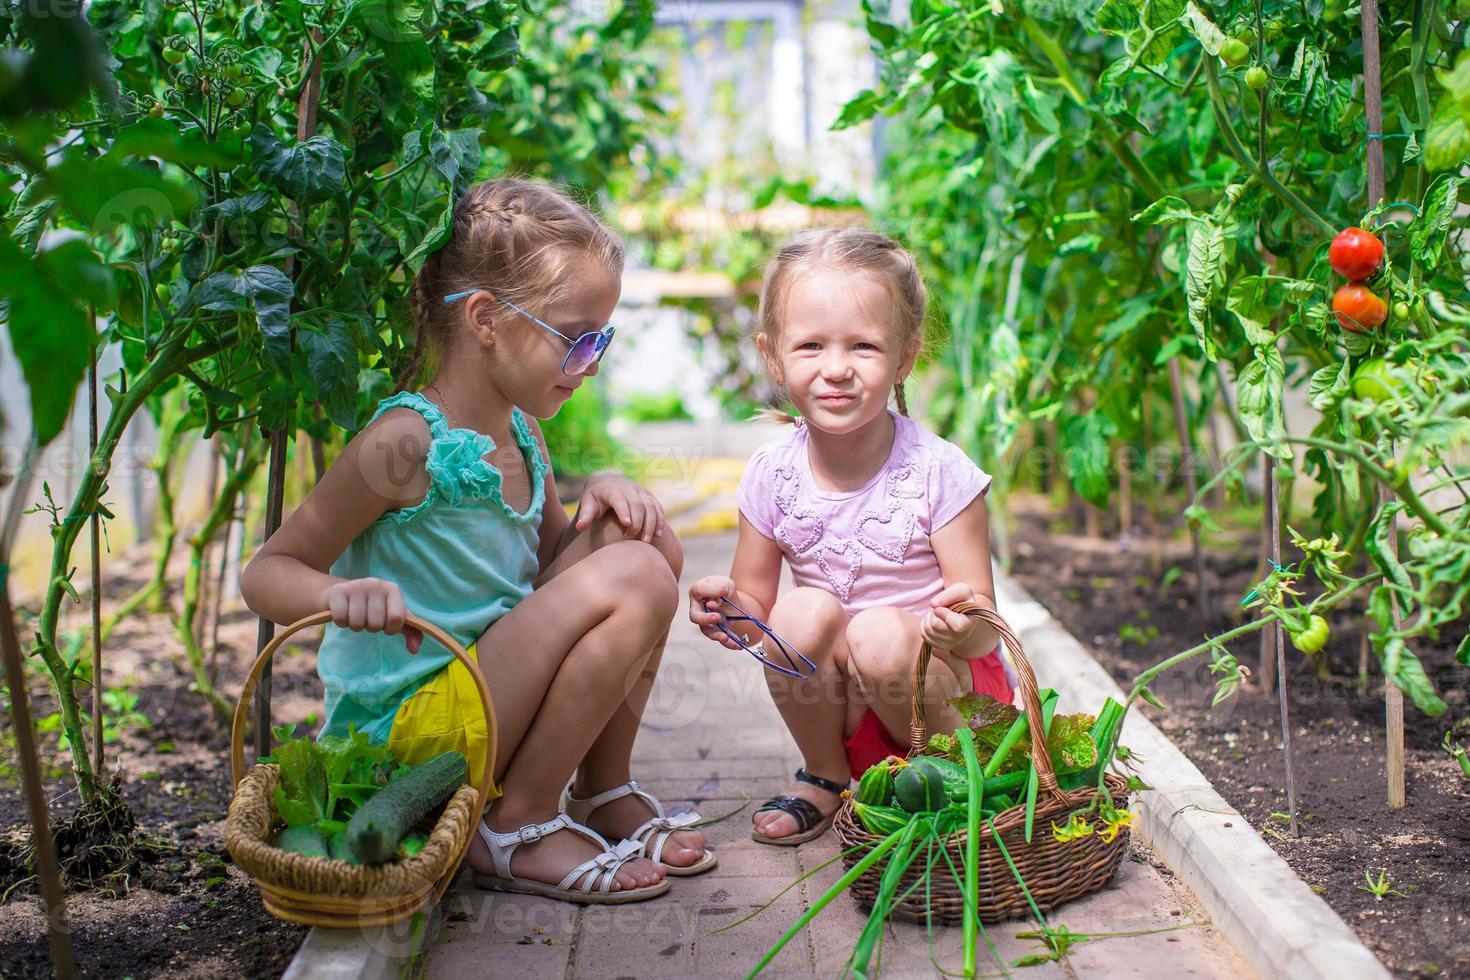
444 714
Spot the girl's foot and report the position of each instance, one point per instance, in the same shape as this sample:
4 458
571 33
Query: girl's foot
619 818
823 795
551 858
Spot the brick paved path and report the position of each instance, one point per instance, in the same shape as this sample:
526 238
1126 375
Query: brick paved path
712 738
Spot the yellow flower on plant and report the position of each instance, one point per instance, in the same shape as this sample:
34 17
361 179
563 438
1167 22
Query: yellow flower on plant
1076 829
1114 821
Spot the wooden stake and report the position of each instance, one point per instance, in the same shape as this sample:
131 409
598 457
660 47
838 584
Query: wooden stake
95 522
306 113
52 893
1269 534
1373 110
1186 448
1273 491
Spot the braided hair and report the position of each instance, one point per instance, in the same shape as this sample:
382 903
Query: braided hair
518 237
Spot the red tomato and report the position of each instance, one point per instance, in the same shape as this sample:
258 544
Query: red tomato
1355 253
1358 308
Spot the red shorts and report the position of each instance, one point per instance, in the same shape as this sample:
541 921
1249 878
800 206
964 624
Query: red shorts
872 742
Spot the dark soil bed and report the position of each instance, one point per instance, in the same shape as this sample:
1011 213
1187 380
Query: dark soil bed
183 910
1108 594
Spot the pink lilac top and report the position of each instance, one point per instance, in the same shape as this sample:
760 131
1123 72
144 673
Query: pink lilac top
868 547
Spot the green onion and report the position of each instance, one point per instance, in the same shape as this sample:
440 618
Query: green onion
972 852
1033 781
853 874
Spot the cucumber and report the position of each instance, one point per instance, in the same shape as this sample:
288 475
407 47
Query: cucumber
340 850
919 789
952 774
876 786
379 824
307 841
880 820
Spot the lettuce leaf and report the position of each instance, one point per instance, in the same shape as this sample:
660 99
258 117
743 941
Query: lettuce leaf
1070 742
323 781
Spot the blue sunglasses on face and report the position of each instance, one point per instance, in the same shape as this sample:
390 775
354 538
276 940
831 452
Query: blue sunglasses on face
583 352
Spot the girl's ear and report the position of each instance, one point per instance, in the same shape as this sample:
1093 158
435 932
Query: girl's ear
773 364
906 366
479 318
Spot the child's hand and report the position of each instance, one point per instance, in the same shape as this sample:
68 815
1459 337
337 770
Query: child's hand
372 604
637 510
942 627
704 606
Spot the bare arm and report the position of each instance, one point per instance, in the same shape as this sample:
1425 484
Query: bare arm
555 524
381 469
755 575
963 549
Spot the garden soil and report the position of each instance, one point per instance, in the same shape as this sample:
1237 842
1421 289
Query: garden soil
1109 594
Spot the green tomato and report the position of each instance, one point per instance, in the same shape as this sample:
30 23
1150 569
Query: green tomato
241 130
1373 382
161 291
230 71
1235 52
1246 36
1314 637
236 97
173 56
1274 29
155 111
1256 77
1401 310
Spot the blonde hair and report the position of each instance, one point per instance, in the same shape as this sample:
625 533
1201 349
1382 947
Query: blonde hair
517 237
857 250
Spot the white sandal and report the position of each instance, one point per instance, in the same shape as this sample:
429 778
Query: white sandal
593 877
654 833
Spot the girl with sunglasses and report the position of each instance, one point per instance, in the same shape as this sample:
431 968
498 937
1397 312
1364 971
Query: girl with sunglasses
445 505
882 524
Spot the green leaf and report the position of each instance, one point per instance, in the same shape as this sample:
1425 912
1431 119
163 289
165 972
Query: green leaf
1198 23
332 368
1427 233
1328 385
1085 448
49 329
1202 271
308 172
859 109
1258 393
434 238
1400 663
164 139
1165 210
1447 144
104 192
263 289
1247 300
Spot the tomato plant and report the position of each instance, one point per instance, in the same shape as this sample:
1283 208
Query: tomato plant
1115 223
250 277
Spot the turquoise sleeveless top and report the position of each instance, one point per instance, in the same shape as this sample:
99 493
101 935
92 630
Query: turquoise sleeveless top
463 558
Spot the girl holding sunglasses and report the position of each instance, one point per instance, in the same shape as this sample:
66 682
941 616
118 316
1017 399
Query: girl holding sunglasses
883 526
446 505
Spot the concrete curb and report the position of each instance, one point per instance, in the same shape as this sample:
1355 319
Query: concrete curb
1278 924
369 953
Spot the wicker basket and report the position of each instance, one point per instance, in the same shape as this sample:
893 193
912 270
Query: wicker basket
319 891
1054 872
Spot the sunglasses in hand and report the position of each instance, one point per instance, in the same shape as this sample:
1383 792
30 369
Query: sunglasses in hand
786 650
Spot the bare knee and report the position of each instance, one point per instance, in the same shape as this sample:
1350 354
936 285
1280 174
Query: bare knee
882 643
636 570
672 549
808 612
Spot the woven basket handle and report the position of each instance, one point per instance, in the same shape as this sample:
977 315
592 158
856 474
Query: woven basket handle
1030 694
237 729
